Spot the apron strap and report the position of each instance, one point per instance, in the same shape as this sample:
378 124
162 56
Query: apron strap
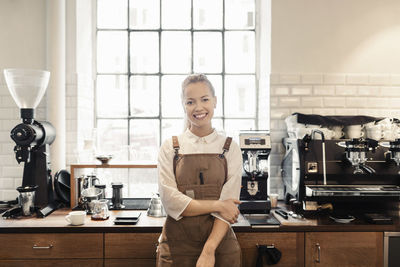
227 144
175 145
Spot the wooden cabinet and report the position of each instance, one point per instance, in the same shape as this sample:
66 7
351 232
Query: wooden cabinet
130 249
344 249
51 246
291 245
51 263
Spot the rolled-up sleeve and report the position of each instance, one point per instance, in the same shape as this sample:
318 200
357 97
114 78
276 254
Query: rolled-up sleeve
173 200
231 188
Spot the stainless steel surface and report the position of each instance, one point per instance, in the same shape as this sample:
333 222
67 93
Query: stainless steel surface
352 190
156 208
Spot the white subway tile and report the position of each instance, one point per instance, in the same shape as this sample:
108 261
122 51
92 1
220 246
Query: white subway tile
357 79
334 79
289 101
289 79
324 90
71 78
277 148
346 90
6 113
379 79
273 102
12 172
274 78
8 159
324 111
6 183
311 102
394 102
377 102
347 112
302 90
390 91
312 78
301 110
372 112
330 102
368 91
280 90
17 182
276 136
9 123
395 79
10 194
356 102
7 147
279 113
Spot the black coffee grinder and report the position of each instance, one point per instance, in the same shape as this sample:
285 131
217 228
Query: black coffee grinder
32 140
255 147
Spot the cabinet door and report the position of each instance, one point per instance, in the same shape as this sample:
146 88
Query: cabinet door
131 245
344 249
291 245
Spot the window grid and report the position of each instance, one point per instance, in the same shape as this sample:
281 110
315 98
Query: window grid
129 74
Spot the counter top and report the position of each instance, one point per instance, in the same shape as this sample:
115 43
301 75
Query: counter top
56 223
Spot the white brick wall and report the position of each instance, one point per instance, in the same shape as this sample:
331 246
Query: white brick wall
327 94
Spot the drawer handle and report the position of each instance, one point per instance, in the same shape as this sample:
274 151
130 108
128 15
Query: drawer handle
318 260
39 247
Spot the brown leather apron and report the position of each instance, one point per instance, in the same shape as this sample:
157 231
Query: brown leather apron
200 176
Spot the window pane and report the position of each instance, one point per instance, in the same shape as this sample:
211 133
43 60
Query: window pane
216 81
207 52
112 14
239 52
144 96
171 127
144 52
143 183
112 51
176 14
112 94
144 14
144 138
112 137
171 95
239 14
207 14
240 96
175 52
232 127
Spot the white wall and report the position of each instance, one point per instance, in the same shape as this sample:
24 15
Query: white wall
332 57
340 36
22 45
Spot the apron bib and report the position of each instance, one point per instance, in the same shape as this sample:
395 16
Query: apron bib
199 176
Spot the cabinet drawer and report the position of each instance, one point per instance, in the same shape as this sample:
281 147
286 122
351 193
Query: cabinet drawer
291 245
34 246
129 262
131 245
51 263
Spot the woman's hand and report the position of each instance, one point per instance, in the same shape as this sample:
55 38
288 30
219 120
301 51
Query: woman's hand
228 209
206 259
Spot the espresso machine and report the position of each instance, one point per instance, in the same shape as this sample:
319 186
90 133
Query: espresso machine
255 147
32 140
358 174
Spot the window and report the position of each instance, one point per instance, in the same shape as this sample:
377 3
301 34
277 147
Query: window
145 48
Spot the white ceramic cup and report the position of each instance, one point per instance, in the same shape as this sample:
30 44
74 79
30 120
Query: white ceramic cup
274 200
375 134
354 131
76 217
337 132
302 131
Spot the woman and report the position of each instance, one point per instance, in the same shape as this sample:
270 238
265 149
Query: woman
199 183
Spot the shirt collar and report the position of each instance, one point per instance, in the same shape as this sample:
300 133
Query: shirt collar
206 139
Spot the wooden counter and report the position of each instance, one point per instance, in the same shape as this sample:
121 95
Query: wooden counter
302 242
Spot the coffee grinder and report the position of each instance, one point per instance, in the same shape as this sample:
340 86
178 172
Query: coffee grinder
255 147
32 140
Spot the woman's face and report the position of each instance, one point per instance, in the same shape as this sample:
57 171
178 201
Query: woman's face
199 104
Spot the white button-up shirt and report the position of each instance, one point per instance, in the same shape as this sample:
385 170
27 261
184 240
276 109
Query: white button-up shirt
174 201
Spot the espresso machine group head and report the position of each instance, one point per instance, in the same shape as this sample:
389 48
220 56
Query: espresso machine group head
255 147
32 138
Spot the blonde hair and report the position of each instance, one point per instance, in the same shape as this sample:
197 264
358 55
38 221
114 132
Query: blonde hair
190 79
